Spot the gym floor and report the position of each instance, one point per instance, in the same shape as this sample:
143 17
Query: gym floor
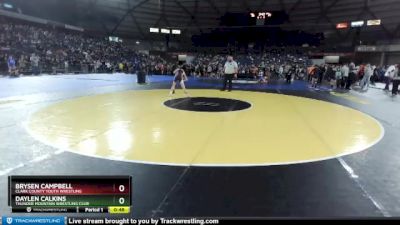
289 151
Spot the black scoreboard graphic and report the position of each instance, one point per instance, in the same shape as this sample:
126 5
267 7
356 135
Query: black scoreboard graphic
75 194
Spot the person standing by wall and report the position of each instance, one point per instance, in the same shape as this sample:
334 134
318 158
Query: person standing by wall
321 73
35 64
345 75
290 74
375 75
22 64
230 70
280 72
66 66
389 74
338 77
12 68
351 76
315 75
364 83
396 83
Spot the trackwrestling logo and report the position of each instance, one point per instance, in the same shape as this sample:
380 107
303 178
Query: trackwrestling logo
22 220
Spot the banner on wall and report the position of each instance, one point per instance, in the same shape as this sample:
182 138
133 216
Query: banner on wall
332 59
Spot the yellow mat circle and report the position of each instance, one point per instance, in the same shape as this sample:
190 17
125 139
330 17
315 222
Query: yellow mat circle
136 126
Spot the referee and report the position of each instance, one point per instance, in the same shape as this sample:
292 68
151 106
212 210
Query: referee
230 70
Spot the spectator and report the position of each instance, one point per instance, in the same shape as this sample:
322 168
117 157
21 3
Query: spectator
396 82
66 66
345 75
367 74
351 76
391 72
35 64
12 68
53 47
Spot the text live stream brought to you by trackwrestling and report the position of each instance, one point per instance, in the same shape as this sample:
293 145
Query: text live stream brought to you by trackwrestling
52 220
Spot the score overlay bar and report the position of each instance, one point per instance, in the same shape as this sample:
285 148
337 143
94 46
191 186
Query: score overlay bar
68 193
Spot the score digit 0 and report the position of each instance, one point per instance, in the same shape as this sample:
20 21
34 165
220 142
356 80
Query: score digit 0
121 188
121 201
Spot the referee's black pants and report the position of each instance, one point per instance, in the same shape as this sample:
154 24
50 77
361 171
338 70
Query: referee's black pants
228 79
395 87
387 82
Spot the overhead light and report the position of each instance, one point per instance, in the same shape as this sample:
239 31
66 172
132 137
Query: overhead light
176 31
357 23
264 15
8 6
114 39
342 25
137 42
261 15
154 30
373 22
165 31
